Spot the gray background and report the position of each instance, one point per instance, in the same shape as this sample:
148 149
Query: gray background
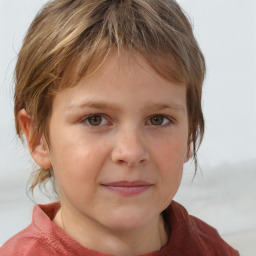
224 193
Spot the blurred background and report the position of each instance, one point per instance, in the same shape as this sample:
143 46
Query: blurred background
224 191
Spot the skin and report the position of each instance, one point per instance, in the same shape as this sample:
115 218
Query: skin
139 132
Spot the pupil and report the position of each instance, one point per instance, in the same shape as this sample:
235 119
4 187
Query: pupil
94 120
157 120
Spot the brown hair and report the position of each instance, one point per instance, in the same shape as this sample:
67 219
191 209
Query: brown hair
80 33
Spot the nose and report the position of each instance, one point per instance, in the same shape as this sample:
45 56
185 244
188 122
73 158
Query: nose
129 148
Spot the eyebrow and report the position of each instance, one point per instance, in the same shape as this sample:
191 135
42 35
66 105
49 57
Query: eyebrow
93 104
112 106
162 106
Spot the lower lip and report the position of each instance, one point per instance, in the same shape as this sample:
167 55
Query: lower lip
128 191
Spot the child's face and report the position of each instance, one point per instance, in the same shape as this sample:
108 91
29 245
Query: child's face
121 166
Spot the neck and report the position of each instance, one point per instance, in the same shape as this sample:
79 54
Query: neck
96 237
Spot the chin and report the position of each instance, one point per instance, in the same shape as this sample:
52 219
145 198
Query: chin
128 219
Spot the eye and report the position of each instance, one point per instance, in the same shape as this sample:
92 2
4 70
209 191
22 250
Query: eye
95 120
159 120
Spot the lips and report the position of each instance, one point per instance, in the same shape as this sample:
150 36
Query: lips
128 188
128 183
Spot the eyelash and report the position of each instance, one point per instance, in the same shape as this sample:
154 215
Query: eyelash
165 122
85 120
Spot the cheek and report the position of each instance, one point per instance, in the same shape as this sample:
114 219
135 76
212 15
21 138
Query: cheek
77 164
169 157
171 151
171 160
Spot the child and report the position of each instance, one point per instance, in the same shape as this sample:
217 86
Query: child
108 96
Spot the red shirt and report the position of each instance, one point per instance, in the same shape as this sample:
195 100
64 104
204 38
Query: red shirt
189 236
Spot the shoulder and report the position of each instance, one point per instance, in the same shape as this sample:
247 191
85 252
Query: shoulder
196 235
209 238
38 238
27 243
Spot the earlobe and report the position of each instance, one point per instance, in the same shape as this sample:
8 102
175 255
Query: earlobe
187 155
36 143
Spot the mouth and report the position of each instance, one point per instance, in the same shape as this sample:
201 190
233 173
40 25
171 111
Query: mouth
127 188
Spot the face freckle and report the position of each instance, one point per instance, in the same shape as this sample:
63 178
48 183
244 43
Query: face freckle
122 170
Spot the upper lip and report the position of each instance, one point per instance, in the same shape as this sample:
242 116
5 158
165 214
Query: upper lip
124 183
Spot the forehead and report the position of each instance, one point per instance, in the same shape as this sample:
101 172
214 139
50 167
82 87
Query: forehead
122 80
163 65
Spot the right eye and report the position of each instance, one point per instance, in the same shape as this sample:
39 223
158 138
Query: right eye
95 120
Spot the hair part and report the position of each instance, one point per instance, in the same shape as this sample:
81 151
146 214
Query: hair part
79 35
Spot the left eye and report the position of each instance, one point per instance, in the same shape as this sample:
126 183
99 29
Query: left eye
159 120
96 120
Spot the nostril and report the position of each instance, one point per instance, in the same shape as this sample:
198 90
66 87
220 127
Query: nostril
132 163
130 151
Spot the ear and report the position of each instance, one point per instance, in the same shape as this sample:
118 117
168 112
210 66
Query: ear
187 154
39 149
